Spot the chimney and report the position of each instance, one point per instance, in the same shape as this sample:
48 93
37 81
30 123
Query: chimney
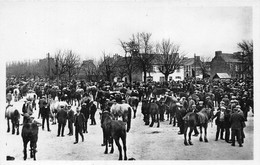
218 53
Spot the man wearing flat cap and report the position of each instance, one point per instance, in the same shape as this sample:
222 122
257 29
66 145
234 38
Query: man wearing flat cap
180 113
236 120
70 120
220 116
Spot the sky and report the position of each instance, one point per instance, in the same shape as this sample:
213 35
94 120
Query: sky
31 29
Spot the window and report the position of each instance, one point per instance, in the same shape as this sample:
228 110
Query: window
162 79
177 77
236 68
170 78
178 70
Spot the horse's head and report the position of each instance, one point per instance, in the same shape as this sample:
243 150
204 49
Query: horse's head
105 115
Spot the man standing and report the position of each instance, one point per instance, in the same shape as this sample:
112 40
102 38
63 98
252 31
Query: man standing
62 120
40 103
79 122
45 112
70 120
85 111
93 110
236 120
220 122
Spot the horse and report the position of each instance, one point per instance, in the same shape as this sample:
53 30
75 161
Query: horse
11 113
133 102
201 119
122 110
150 108
113 130
55 106
30 134
169 103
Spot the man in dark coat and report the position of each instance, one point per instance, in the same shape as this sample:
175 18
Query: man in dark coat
62 120
220 117
227 125
45 113
40 103
85 111
79 122
236 120
70 120
180 113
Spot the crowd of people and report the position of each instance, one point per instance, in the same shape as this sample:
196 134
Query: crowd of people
231 99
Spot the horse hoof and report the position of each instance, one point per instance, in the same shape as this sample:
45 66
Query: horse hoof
105 152
190 143
185 143
206 140
201 139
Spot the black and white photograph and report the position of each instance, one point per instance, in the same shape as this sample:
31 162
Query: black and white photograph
129 80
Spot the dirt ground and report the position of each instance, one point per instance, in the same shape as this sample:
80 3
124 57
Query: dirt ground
143 143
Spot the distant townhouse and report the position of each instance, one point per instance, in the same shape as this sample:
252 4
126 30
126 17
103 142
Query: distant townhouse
192 67
227 63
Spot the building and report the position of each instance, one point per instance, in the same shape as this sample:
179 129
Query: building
156 75
227 63
192 67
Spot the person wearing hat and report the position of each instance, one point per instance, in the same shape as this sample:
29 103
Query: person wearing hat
236 119
41 104
85 111
195 110
44 112
79 119
180 113
62 120
226 100
93 110
200 106
70 120
238 107
191 102
227 124
220 117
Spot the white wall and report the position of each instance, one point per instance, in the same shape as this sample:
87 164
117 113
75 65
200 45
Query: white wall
156 75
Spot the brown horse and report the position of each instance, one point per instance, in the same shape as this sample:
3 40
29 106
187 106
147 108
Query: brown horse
201 119
30 134
113 130
169 103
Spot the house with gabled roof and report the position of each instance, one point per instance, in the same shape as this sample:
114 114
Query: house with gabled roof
227 63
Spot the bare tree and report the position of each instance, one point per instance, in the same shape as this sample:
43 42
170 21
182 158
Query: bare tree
247 56
72 61
60 65
107 66
143 48
204 65
168 57
130 52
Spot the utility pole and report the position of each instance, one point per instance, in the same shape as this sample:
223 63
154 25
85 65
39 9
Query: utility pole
49 68
195 67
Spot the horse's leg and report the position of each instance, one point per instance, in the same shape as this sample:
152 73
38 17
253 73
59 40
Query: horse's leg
201 133
124 145
13 127
158 120
170 117
174 121
104 138
25 149
191 130
185 134
205 132
8 125
17 132
106 143
153 118
119 148
129 116
112 146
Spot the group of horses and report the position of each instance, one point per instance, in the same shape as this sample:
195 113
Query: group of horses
114 129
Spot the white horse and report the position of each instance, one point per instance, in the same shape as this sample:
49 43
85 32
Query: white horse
56 106
122 110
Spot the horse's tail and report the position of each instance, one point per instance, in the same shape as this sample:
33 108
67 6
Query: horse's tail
129 117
